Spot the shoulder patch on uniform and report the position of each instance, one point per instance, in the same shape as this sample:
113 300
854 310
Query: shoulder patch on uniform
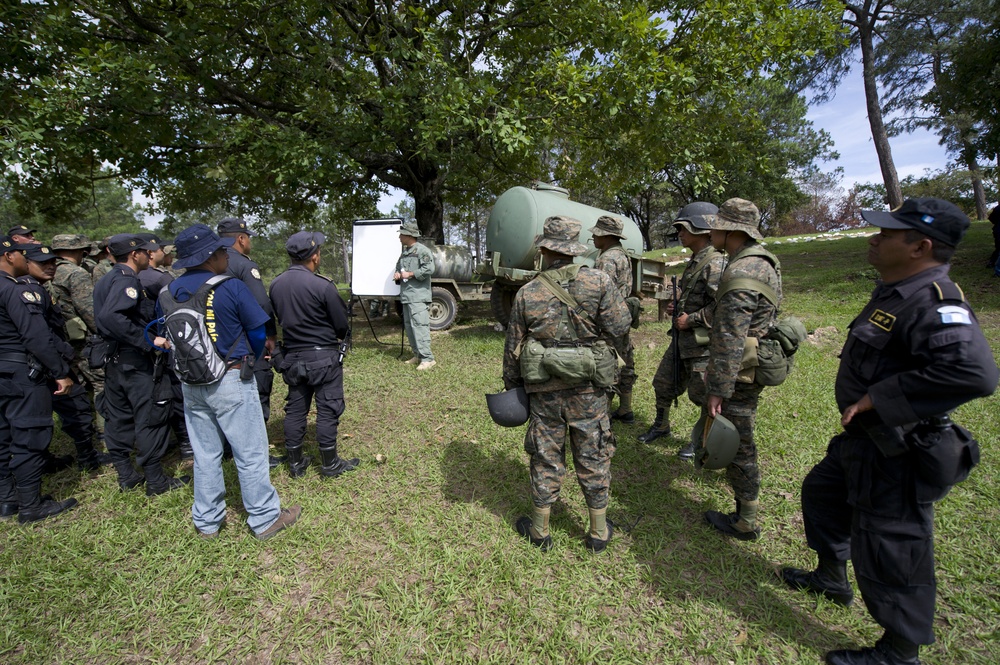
30 296
954 314
882 320
131 292
255 273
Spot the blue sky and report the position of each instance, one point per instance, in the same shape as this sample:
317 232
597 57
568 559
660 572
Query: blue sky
846 119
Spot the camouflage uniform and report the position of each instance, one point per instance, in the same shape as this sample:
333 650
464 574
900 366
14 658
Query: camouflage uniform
618 265
415 295
741 313
102 268
72 292
697 287
558 408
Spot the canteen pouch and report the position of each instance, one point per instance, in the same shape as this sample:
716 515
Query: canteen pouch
605 365
702 335
634 309
76 329
943 454
772 364
532 354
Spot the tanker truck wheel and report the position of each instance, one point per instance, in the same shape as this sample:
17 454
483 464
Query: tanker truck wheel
501 302
443 309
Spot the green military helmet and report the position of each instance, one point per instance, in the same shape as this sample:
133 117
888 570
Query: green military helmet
509 408
715 449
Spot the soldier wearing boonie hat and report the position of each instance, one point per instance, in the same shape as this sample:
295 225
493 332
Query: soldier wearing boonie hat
137 408
740 312
413 274
314 324
103 258
607 235
564 407
245 269
72 291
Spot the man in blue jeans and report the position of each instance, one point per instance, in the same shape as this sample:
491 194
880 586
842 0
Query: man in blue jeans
230 406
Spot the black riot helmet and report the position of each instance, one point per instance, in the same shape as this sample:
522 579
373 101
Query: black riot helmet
698 216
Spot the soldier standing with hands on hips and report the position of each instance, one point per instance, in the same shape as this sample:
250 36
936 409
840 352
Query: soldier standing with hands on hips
25 392
315 329
413 274
914 354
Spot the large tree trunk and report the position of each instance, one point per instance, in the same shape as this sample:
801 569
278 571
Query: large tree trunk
971 163
879 135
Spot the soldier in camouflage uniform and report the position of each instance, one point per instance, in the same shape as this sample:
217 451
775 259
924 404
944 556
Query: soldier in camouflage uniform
607 236
72 292
558 407
683 364
740 313
104 261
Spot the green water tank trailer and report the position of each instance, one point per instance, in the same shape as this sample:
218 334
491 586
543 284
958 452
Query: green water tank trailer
517 219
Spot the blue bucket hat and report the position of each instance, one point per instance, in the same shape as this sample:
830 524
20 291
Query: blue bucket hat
196 243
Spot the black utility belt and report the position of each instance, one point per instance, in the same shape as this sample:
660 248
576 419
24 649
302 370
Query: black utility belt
311 348
14 357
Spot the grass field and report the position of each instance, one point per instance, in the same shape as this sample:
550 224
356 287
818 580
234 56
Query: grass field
415 560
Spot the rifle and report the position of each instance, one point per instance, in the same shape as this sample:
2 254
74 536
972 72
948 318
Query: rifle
675 336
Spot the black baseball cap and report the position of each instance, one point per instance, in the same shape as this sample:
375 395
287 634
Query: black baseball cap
935 218
40 254
20 230
125 243
234 225
300 246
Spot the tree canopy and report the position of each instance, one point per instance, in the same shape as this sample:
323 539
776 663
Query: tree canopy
285 106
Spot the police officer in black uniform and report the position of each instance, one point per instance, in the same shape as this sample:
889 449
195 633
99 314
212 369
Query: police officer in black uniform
314 324
138 393
154 279
245 269
26 356
76 414
913 355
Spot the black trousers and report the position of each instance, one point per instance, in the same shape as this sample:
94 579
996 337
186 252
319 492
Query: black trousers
265 384
313 374
137 409
860 505
25 424
76 415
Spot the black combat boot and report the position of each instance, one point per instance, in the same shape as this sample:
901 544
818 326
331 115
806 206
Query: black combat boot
184 445
333 465
687 451
274 462
128 477
829 580
297 462
660 427
741 525
56 463
33 507
889 650
87 457
159 483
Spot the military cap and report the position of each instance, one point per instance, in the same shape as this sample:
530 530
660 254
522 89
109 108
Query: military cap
20 230
125 243
152 240
40 254
234 225
561 234
7 244
196 243
935 218
608 226
304 244
71 241
738 215
410 229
